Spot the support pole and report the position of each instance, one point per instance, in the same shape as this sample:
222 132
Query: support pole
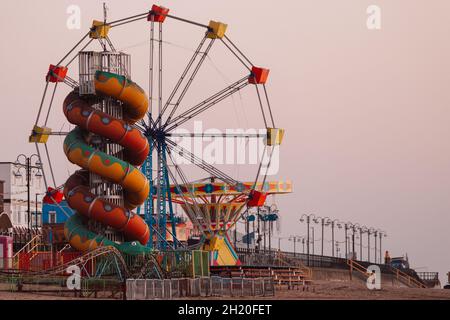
332 238
28 163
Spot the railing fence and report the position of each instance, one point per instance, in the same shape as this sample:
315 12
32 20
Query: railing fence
149 289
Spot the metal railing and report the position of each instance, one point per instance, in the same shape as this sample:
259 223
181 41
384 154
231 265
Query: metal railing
358 267
428 276
407 279
149 289
30 247
271 258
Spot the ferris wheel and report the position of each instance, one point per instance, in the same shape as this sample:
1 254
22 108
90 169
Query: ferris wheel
126 144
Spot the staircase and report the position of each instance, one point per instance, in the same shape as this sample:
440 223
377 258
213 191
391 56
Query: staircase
292 277
400 275
289 261
355 266
407 279
30 249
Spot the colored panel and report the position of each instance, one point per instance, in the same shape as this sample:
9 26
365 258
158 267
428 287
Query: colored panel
221 251
256 199
216 30
39 134
56 73
220 188
158 14
274 136
99 30
53 196
258 75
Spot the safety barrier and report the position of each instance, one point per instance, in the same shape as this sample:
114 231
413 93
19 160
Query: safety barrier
357 267
149 289
407 279
57 285
272 258
37 260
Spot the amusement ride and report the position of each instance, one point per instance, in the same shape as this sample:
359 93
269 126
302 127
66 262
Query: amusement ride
124 141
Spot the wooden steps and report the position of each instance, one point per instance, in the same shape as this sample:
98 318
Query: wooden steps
292 277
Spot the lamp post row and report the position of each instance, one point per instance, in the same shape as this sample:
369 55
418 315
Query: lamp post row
354 227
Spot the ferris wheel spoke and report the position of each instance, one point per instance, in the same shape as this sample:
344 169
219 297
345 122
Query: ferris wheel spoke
191 79
236 55
187 202
122 21
183 75
195 215
201 163
237 49
268 105
192 158
261 106
73 49
108 40
207 103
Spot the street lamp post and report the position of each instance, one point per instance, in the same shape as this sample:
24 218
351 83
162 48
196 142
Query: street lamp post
376 235
362 230
335 221
29 167
308 217
295 239
381 234
324 222
247 231
347 240
273 215
369 232
264 233
258 247
313 241
354 228
346 226
36 224
294 247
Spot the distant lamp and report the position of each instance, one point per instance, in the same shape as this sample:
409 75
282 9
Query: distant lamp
17 174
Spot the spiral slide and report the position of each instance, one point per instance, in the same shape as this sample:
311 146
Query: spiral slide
88 120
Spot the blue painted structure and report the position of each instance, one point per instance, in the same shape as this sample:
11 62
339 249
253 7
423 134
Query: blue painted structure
56 213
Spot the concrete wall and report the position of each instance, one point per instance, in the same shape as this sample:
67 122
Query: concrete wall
329 274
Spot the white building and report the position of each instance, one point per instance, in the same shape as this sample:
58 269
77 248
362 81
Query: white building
15 193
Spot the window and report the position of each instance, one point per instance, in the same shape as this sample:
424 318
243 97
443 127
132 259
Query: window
52 217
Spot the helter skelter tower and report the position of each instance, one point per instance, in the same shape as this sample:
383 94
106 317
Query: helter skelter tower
147 141
116 63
